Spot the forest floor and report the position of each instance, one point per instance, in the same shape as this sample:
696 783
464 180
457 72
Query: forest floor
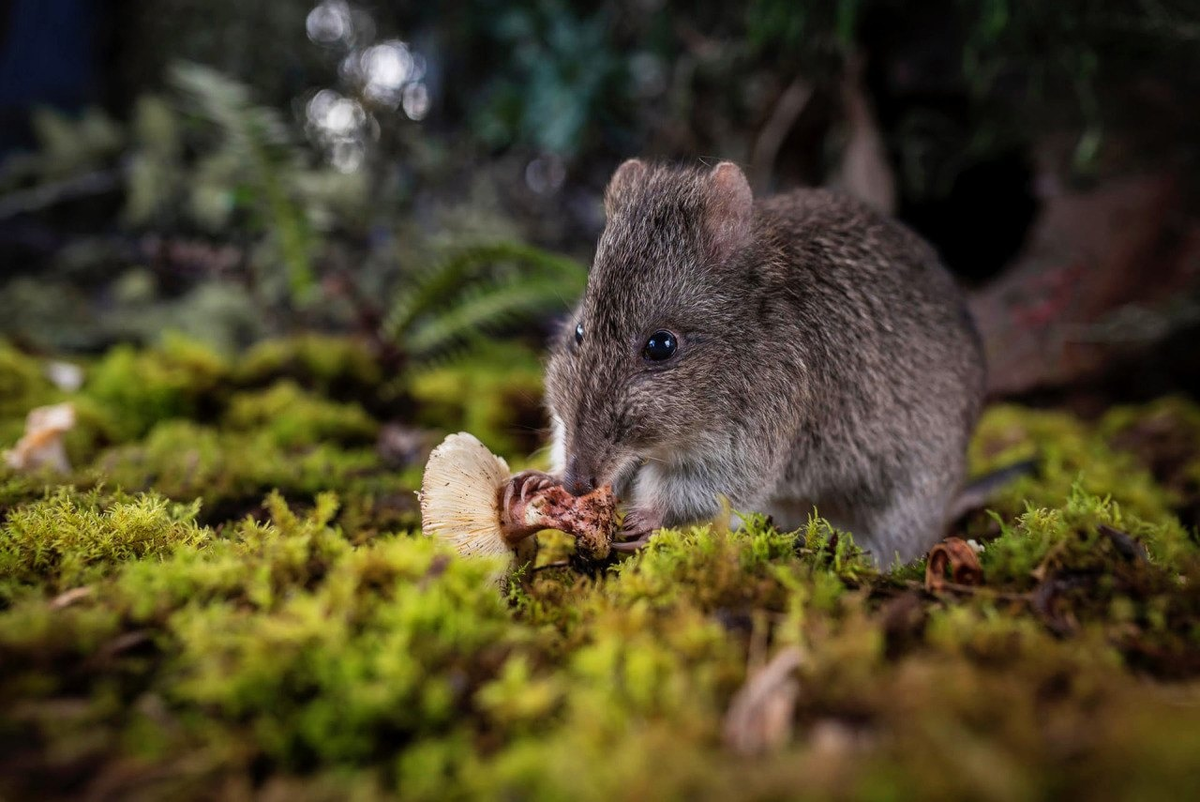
228 597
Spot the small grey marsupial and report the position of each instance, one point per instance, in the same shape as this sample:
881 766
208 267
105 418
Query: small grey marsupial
787 353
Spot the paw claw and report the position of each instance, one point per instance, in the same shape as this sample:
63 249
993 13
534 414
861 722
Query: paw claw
636 531
633 545
525 483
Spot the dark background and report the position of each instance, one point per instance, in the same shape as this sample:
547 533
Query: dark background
1047 150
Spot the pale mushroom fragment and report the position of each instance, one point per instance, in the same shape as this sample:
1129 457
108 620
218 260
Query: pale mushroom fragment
42 445
470 500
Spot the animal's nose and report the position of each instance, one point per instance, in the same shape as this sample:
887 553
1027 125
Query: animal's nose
578 481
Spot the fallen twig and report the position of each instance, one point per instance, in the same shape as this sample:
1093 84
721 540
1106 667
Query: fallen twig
760 716
788 108
67 598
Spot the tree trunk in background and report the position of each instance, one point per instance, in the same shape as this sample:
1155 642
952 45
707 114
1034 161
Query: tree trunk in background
1106 274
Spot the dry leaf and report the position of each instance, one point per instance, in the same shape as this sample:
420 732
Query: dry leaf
759 719
956 555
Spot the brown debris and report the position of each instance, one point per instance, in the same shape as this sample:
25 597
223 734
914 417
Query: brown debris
400 446
957 556
835 740
902 621
864 171
436 568
1124 543
1048 601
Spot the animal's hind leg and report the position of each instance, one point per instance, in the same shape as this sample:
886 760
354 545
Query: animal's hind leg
906 525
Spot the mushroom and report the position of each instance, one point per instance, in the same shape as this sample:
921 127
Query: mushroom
470 500
42 445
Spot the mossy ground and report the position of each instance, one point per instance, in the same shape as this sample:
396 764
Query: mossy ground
229 599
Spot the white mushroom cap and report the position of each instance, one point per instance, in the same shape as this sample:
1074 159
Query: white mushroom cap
460 497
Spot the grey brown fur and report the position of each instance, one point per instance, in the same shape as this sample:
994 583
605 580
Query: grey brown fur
825 359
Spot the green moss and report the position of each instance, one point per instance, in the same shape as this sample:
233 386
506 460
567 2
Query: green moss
295 640
281 646
333 672
494 394
70 539
292 417
23 386
1173 416
329 365
1165 437
36 633
1043 536
253 564
17 487
1068 452
139 389
230 471
312 648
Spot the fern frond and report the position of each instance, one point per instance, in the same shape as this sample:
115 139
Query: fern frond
464 267
478 289
259 139
488 307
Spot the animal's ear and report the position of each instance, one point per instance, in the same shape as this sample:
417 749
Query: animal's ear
625 178
730 208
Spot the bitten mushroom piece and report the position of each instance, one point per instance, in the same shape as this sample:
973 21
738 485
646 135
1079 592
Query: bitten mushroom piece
470 500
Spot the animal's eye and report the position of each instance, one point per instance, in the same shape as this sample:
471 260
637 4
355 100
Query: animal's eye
578 333
660 346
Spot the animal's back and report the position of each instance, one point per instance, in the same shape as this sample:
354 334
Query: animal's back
894 372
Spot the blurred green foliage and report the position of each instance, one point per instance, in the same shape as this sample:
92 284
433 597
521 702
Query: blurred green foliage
254 151
299 415
494 393
338 366
291 417
562 78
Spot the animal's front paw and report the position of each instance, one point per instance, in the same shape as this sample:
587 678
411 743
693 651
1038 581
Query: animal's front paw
636 530
520 486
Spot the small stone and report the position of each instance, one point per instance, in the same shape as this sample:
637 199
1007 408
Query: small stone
66 376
